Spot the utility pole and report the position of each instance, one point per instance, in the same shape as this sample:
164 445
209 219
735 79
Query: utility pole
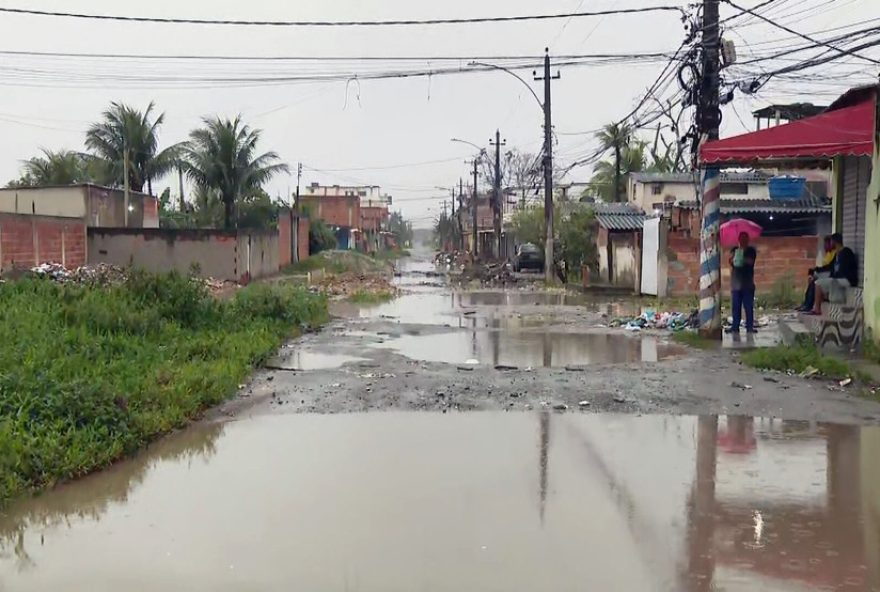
476 249
617 166
548 168
126 183
296 212
708 122
460 207
496 192
454 234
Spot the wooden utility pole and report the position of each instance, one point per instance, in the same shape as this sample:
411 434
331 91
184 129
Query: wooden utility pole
708 122
296 215
476 249
548 169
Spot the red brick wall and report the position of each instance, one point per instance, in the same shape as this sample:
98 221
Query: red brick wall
303 246
372 218
336 210
779 258
26 241
284 238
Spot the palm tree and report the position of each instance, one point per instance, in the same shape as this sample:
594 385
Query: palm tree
62 167
608 174
127 130
221 158
617 137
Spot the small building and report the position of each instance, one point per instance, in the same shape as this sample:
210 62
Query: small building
49 224
339 207
374 218
619 244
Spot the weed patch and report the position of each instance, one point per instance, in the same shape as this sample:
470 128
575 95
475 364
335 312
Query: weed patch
797 359
694 339
89 375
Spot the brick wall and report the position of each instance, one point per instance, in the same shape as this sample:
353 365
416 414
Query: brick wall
303 246
336 210
26 241
779 258
284 238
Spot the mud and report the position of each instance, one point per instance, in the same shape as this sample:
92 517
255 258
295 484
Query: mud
464 501
554 351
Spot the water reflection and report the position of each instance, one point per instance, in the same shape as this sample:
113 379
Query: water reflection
536 349
450 502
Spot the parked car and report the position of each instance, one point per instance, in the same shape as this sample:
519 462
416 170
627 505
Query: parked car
528 256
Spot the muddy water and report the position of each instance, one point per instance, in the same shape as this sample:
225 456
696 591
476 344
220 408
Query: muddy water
466 502
545 349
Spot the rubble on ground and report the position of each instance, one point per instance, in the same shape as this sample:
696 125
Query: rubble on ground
453 260
650 319
345 285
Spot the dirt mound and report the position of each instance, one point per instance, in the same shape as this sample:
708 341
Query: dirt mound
351 262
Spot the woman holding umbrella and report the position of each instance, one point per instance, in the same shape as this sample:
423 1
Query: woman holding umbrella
742 277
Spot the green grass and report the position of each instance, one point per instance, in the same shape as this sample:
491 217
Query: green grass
797 359
366 297
390 254
88 375
693 339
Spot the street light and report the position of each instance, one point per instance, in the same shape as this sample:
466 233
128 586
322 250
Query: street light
512 73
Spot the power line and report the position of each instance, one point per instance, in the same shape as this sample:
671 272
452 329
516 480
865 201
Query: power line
378 23
801 35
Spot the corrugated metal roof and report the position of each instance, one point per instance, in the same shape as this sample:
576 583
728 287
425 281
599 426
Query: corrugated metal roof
753 177
619 209
768 206
621 222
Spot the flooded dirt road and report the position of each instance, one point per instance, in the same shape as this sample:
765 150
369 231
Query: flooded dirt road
466 501
480 440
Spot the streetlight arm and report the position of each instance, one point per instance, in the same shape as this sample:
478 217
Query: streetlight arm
512 73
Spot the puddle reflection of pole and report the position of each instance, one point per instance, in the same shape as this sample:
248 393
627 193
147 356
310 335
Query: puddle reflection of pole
543 462
548 350
701 509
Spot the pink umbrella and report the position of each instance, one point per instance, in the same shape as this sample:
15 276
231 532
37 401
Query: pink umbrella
731 230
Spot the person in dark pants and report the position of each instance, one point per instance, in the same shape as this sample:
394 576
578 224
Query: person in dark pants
844 275
742 284
816 273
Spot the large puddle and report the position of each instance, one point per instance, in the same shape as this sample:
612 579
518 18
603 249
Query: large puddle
504 502
532 349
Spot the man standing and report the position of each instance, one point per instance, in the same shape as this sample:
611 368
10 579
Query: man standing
742 283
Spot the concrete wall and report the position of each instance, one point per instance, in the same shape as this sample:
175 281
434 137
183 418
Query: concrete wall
27 240
785 258
624 251
213 253
107 209
62 202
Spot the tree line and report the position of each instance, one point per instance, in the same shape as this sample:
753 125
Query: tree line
221 158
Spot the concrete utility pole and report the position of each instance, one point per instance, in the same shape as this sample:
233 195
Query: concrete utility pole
295 222
496 192
180 185
708 122
454 236
475 234
126 183
548 168
460 208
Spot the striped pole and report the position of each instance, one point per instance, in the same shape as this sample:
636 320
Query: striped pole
710 255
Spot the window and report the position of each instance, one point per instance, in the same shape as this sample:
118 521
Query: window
656 189
734 189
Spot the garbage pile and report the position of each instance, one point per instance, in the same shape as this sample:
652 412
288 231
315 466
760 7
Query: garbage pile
491 274
650 319
453 260
348 284
100 274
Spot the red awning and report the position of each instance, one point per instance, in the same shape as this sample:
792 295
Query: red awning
848 131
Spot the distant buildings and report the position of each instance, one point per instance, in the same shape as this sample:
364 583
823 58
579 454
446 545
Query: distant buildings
358 214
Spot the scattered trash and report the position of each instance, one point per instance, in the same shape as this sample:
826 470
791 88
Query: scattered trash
472 362
574 369
503 368
845 383
584 404
348 284
618 399
744 387
466 368
809 372
771 379
651 319
560 407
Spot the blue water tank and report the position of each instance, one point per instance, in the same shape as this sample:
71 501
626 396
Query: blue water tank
787 187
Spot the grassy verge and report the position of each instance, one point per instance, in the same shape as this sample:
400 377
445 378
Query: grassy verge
367 297
797 359
390 254
89 375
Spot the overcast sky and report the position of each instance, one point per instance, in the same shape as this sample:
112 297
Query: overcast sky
356 131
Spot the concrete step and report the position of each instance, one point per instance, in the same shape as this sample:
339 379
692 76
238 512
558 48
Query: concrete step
795 332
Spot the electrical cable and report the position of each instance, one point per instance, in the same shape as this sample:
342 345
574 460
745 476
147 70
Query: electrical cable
378 23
